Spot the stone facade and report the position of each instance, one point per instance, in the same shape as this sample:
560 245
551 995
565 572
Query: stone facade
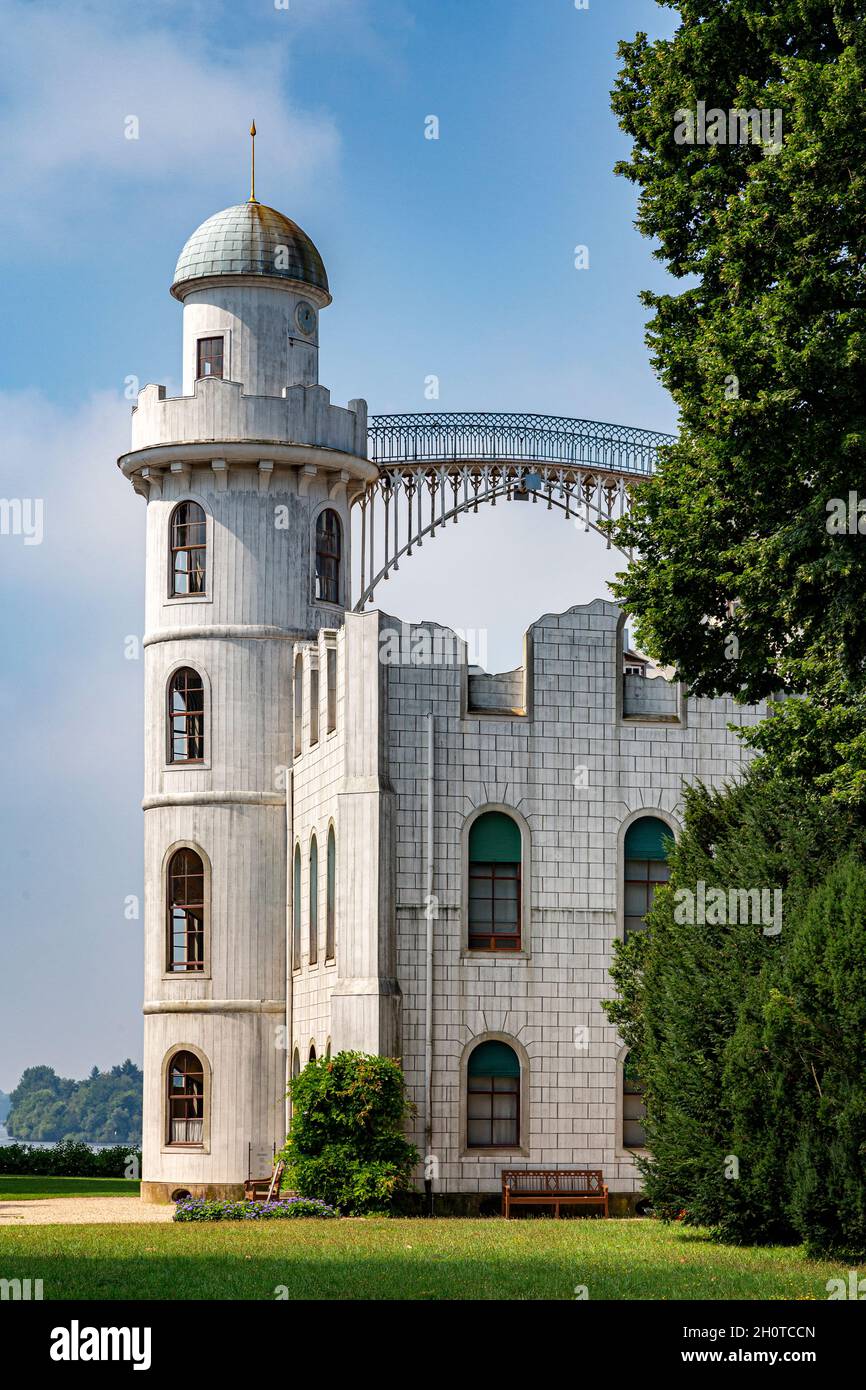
378 744
575 769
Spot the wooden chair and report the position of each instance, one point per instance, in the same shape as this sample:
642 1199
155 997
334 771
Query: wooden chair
265 1189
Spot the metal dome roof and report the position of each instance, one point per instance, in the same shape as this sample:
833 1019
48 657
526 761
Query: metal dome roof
250 239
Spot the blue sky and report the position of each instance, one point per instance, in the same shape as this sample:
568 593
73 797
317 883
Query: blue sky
452 257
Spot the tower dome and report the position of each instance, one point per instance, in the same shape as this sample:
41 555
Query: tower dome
250 239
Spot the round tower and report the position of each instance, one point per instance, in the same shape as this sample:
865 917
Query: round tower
248 478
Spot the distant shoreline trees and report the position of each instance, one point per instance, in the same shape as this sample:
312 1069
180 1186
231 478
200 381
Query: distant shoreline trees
103 1109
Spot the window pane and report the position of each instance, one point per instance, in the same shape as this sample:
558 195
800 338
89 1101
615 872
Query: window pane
478 1133
636 899
636 868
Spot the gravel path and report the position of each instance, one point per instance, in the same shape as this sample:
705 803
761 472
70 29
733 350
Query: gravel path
82 1211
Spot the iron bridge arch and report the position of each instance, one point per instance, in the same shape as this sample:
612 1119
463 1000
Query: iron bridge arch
435 466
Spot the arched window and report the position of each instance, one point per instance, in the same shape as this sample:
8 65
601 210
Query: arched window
186 716
494 883
296 911
646 851
314 902
296 1063
633 1107
188 549
299 703
329 548
312 1052
185 1099
331 899
493 1097
328 1050
185 897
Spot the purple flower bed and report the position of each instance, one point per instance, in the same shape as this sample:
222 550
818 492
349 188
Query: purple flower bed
203 1209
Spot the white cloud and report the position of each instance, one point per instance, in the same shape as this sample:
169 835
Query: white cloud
71 80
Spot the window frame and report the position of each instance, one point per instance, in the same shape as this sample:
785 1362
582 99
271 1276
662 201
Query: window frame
298 705
314 703
331 688
167 939
221 375
340 559
525 891
169 1146
297 906
522 1148
205 595
331 896
313 903
170 759
655 813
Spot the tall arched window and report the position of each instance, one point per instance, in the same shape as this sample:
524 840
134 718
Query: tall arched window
494 883
296 910
329 549
188 549
185 897
299 703
646 849
314 901
312 1052
186 716
633 1107
185 1099
493 1097
296 1063
331 899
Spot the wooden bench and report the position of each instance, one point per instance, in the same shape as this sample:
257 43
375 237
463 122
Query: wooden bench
264 1189
558 1188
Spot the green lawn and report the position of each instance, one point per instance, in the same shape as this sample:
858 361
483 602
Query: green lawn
404 1259
25 1189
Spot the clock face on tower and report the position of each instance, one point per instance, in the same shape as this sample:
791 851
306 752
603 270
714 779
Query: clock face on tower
305 318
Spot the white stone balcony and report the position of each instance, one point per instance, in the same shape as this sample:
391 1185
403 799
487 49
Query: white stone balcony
219 414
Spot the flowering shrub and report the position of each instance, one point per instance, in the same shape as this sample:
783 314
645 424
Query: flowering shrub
347 1142
204 1209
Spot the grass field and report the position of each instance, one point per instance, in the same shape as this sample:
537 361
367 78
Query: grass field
404 1259
25 1189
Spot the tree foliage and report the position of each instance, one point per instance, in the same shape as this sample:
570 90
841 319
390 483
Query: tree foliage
347 1145
738 582
751 1046
104 1109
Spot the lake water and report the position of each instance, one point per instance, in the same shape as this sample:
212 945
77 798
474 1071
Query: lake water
41 1143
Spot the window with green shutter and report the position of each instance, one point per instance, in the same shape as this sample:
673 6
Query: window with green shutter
493 1097
495 852
646 848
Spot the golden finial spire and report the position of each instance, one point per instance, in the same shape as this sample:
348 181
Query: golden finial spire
252 197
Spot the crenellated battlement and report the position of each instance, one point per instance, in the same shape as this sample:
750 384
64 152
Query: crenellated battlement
218 411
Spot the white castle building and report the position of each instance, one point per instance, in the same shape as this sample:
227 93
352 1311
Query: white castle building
353 838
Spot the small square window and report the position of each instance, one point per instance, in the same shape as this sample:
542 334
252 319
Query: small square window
209 359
